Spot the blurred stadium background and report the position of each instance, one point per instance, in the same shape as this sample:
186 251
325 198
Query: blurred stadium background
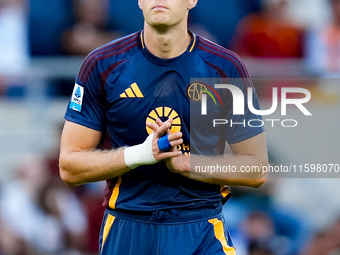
42 45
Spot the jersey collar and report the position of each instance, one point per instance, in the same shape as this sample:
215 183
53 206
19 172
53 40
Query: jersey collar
172 61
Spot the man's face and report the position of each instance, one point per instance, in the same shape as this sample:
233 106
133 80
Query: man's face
158 13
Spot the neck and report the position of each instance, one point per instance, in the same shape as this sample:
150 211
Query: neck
167 42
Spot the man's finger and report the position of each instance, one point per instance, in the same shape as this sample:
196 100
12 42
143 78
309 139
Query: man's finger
162 129
169 154
166 142
153 126
175 136
175 143
159 122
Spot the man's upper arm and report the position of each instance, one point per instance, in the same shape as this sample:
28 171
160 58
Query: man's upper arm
256 146
76 137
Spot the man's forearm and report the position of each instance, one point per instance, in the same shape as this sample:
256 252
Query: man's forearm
81 167
224 170
80 162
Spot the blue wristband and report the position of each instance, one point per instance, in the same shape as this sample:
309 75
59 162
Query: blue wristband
164 144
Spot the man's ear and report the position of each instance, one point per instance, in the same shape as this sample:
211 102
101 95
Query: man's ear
192 4
140 4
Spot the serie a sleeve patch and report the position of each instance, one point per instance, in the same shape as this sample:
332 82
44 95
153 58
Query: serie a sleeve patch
77 98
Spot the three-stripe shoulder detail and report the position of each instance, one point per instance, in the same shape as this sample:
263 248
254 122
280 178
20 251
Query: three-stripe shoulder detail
109 50
215 49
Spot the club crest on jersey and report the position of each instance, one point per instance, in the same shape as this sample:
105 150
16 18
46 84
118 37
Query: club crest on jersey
195 91
77 98
164 113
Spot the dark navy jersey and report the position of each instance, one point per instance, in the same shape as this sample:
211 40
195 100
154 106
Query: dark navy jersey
121 86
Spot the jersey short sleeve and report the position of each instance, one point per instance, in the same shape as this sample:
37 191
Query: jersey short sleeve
246 125
87 103
228 69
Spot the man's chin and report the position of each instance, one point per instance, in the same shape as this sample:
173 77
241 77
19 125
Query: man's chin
160 25
160 18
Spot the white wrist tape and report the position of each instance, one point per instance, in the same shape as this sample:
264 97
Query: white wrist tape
140 154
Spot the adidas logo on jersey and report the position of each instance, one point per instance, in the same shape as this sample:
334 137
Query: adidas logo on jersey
132 91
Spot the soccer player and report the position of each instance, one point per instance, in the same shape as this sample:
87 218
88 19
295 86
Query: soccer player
131 93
